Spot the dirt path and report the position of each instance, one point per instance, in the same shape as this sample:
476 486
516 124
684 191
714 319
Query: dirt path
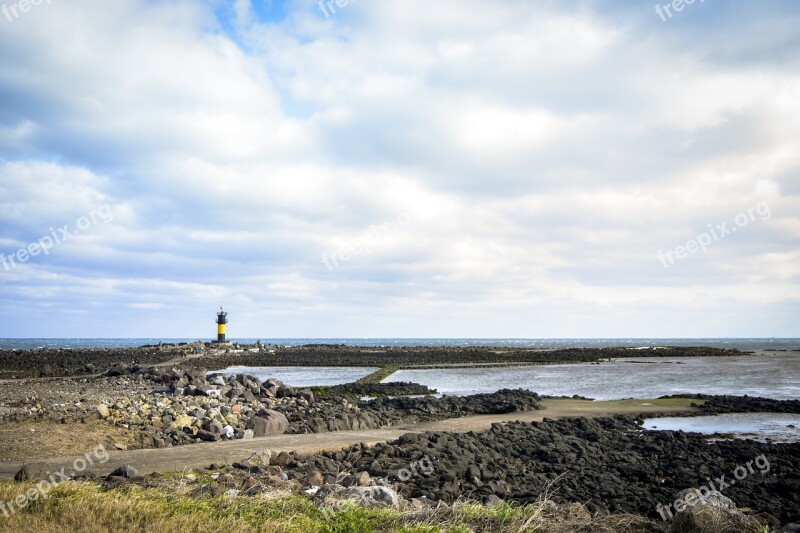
202 455
558 409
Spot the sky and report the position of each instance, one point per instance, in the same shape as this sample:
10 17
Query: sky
400 168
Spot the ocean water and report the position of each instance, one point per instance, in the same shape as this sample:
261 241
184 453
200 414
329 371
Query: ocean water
758 426
768 375
774 372
739 343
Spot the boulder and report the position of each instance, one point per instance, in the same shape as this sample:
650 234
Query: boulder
125 471
375 496
208 436
261 458
213 426
285 392
360 479
268 422
273 383
102 411
283 459
32 472
711 512
306 395
197 375
118 370
217 379
183 421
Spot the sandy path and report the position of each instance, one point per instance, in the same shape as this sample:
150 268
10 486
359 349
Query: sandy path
204 454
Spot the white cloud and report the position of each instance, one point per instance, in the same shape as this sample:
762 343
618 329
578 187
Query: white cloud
546 154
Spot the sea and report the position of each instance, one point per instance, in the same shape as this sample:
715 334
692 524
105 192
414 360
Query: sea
739 343
772 372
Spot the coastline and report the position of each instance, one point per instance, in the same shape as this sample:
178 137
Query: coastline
504 447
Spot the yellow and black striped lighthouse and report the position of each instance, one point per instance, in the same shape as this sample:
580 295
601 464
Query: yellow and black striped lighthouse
222 319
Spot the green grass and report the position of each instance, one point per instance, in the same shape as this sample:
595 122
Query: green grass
379 375
85 507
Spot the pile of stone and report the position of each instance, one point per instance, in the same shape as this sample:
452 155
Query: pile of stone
607 463
189 406
186 406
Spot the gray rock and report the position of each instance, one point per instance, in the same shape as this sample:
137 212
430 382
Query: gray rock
491 500
273 383
196 375
260 458
217 379
714 512
32 472
306 395
375 496
360 479
125 471
269 423
714 498
285 392
208 436
213 426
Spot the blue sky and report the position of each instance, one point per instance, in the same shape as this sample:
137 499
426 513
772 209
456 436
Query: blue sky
400 168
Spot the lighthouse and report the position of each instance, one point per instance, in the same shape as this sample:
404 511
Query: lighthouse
222 319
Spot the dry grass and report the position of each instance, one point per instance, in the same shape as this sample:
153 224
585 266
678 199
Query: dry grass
170 507
20 441
543 517
82 507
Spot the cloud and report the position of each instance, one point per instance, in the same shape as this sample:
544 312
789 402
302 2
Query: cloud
544 153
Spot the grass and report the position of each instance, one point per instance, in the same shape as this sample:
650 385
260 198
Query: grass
379 375
635 405
22 441
85 507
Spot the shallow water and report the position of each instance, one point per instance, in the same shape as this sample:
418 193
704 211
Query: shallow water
299 376
770 376
759 426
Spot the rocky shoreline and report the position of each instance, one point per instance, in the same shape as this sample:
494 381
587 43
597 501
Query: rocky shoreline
375 390
76 362
340 355
605 465
725 404
169 408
